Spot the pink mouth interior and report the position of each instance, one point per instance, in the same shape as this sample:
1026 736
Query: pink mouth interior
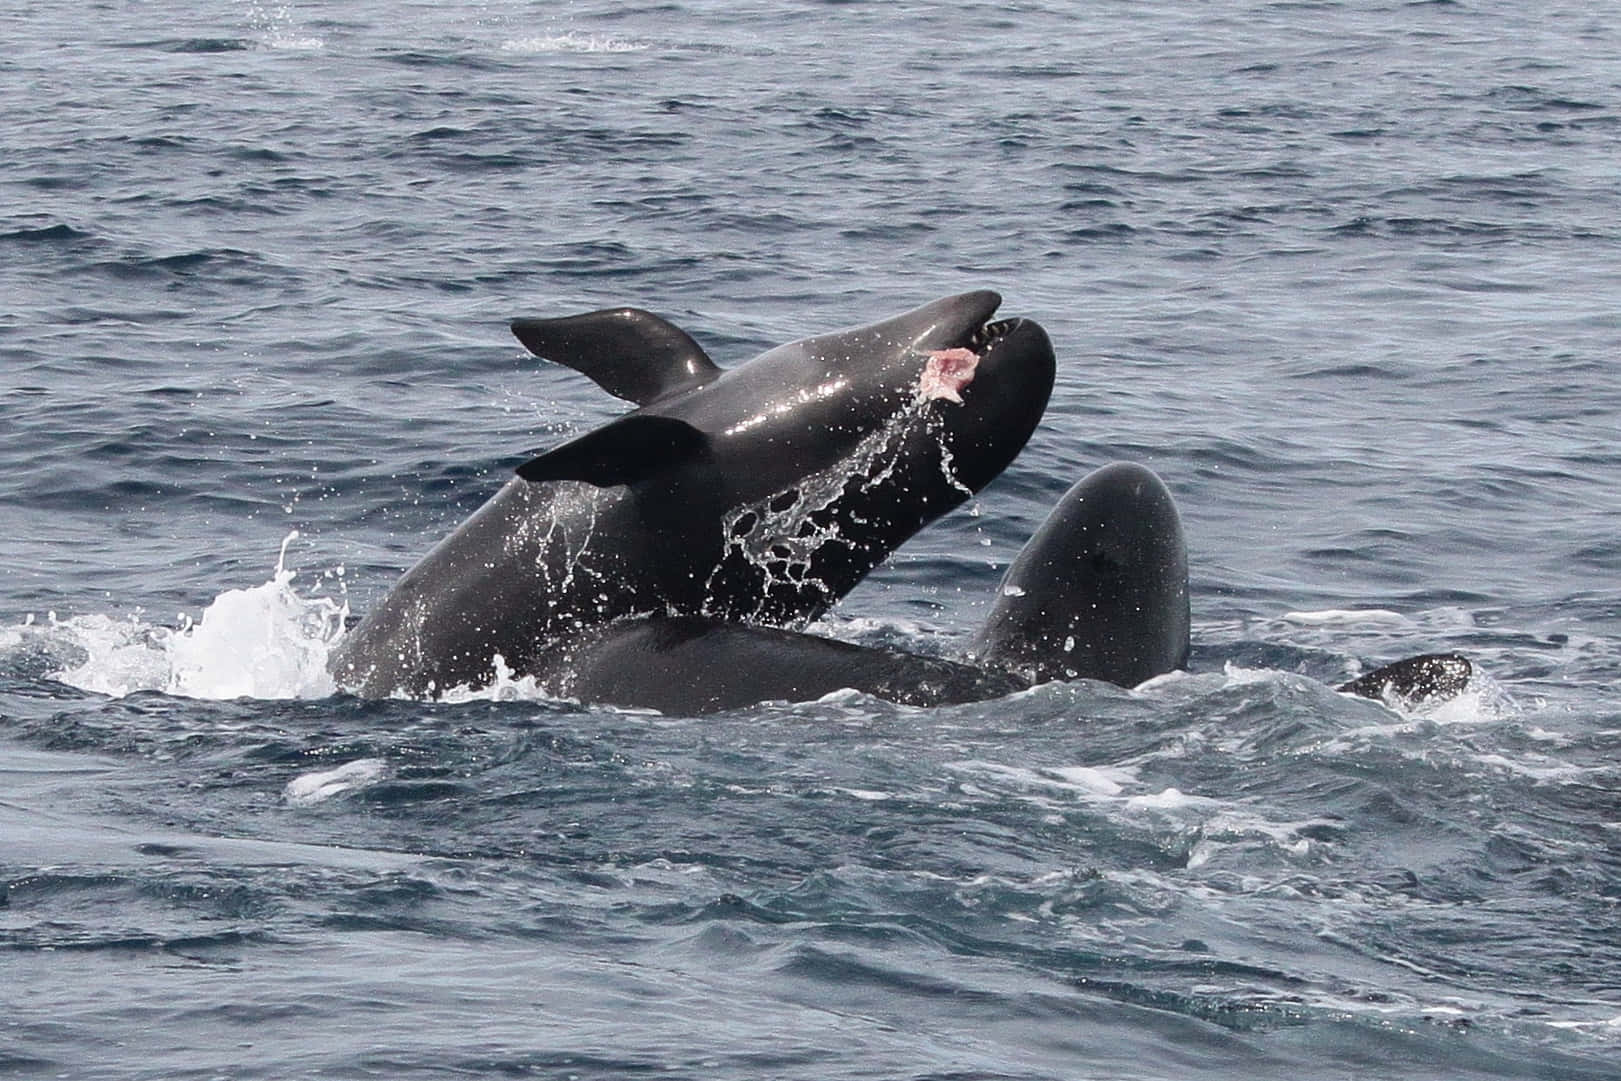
946 372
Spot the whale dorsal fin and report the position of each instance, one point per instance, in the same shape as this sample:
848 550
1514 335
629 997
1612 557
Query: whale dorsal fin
627 352
624 452
1440 676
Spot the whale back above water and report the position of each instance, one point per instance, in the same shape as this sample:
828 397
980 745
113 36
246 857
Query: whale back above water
694 665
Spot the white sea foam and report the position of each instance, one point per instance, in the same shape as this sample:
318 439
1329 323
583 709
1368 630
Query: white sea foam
1238 676
1083 782
267 641
1101 781
1164 800
308 789
1155 684
505 687
1344 616
867 795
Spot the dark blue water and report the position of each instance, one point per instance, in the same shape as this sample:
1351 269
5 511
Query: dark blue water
1346 276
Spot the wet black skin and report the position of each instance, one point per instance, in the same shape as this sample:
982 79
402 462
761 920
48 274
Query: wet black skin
1429 677
1099 592
692 665
762 493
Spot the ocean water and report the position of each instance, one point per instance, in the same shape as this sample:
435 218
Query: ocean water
1346 275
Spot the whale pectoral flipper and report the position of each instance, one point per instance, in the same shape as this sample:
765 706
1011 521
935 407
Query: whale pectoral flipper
624 452
629 353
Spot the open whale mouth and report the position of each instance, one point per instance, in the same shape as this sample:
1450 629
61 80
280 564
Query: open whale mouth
990 332
946 372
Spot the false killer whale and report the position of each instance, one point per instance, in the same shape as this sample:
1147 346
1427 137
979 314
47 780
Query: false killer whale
762 493
1101 590
1098 592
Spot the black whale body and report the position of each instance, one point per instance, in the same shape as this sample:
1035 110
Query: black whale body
762 493
1098 592
695 665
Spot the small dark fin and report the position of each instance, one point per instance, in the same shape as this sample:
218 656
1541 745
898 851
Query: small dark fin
627 352
1431 676
630 449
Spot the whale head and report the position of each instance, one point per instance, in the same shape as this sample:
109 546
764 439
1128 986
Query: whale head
947 387
795 473
974 384
1101 590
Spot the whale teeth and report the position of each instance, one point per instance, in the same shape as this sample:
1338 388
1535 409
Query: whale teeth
988 332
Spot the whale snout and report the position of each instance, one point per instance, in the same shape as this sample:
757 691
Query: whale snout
997 397
1015 350
1015 360
954 322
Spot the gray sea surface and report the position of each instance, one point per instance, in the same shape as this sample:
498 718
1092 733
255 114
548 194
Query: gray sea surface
1347 276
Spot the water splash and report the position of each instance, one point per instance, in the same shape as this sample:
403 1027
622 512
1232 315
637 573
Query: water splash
506 686
782 534
557 540
264 642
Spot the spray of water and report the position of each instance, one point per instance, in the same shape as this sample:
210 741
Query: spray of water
272 641
267 641
275 27
782 534
557 541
